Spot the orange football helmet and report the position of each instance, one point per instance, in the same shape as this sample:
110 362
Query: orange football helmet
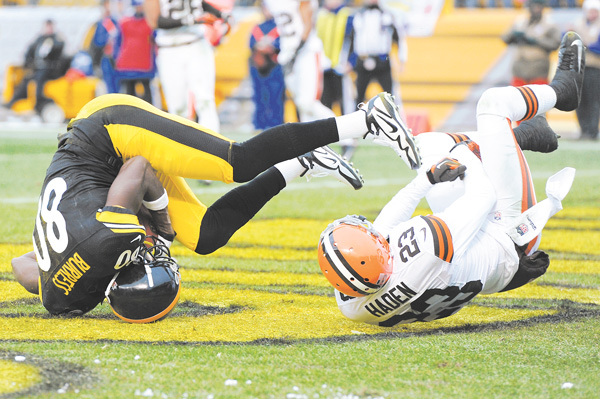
354 257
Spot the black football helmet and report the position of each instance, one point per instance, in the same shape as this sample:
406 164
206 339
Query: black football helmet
148 289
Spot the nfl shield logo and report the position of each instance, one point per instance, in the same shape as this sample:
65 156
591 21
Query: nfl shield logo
522 229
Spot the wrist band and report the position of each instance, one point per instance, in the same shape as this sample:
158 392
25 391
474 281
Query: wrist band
157 204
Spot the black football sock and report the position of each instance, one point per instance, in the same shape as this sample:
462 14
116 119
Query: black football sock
234 209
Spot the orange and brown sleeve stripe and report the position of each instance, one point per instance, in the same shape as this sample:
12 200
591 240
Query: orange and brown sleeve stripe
531 101
457 137
442 239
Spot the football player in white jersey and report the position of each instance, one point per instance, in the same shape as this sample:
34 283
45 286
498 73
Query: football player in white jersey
301 55
185 58
401 269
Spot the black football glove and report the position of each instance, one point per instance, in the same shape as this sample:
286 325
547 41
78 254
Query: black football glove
448 169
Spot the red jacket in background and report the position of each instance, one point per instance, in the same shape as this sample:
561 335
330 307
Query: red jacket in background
137 45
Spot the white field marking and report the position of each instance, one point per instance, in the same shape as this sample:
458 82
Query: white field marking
302 184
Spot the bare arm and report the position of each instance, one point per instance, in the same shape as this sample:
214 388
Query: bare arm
306 12
26 271
152 12
136 183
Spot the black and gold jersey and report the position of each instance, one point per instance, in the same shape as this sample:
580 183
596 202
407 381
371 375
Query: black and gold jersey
126 126
113 128
79 243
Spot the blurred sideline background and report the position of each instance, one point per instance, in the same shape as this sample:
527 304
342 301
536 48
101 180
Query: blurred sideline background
455 53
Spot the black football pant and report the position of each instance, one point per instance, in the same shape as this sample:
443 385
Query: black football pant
588 112
382 73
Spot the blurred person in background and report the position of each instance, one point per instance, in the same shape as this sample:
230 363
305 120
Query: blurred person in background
374 31
135 55
334 28
588 27
504 3
535 37
562 3
185 59
301 55
466 3
267 75
102 47
43 62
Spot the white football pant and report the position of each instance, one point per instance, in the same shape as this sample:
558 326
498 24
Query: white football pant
305 82
502 159
187 76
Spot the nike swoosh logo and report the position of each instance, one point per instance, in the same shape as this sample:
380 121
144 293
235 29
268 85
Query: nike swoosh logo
391 122
332 159
579 45
138 238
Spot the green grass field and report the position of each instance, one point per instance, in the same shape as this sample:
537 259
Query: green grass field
257 320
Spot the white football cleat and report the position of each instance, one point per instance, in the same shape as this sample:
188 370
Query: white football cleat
324 161
387 128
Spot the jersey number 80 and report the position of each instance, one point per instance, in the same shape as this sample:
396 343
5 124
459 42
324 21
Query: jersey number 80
48 216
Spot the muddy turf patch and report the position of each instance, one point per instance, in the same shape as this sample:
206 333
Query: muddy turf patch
25 374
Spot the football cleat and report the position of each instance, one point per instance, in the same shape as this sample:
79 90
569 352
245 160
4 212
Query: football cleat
387 128
536 135
324 161
568 79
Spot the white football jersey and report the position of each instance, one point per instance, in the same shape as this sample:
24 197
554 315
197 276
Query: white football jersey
440 261
289 24
430 281
180 9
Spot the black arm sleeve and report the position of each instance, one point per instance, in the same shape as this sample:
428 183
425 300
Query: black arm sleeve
168 23
209 8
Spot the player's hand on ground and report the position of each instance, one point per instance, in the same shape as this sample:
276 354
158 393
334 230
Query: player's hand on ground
448 169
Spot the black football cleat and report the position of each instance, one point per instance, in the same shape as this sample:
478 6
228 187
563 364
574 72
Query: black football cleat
536 135
568 79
